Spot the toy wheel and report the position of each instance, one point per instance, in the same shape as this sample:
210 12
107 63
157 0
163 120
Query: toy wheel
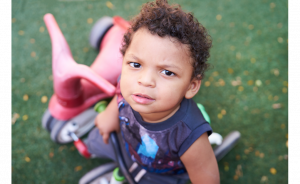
98 31
80 125
228 143
98 174
48 121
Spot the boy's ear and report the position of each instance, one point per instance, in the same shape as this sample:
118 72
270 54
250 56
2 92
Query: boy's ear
193 88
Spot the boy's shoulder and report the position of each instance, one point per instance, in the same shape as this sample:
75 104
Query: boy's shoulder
193 116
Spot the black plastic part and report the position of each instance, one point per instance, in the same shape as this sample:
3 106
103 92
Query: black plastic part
120 159
100 39
228 143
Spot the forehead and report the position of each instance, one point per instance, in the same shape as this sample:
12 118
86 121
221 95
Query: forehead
163 49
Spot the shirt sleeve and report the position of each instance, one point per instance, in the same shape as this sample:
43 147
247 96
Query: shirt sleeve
195 134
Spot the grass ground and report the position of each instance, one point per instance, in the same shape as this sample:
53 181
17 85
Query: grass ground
245 90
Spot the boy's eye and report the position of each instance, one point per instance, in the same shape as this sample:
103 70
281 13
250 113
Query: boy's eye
168 73
135 65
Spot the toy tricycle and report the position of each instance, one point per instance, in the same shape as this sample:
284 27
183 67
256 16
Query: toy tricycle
77 88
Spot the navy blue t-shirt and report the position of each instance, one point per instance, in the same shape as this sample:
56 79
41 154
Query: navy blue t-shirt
157 147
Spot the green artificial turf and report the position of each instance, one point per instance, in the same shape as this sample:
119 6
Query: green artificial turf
249 75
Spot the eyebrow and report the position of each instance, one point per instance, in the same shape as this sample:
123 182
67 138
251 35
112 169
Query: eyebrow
162 65
169 66
134 57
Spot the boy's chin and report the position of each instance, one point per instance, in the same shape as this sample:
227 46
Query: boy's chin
141 108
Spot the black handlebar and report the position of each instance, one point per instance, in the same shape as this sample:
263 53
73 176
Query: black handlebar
120 159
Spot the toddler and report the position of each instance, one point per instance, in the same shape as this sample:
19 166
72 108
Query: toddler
162 130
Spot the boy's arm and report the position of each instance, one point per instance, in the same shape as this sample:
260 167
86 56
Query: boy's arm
201 163
108 120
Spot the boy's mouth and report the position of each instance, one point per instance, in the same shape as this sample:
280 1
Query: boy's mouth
142 98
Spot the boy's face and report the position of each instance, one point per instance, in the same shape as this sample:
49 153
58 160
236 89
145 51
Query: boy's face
156 75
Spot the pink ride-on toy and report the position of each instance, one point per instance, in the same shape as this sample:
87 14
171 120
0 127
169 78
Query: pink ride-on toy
78 87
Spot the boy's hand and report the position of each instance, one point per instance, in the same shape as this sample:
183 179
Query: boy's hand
108 120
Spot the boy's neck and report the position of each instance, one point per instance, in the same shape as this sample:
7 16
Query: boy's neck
159 116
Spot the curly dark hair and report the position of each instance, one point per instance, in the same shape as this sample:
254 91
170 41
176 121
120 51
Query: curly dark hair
170 20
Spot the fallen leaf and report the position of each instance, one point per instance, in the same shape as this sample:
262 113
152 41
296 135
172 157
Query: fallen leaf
221 82
42 29
85 49
257 153
25 97
273 171
27 159
89 20
78 168
272 5
251 27
250 82
258 82
220 116
109 5
276 72
51 154
261 155
276 106
241 88
44 99
223 111
238 55
25 117
230 70
207 83
226 168
14 118
33 54
284 90
21 32
264 179
215 73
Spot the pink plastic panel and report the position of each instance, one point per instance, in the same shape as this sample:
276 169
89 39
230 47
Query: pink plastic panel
77 86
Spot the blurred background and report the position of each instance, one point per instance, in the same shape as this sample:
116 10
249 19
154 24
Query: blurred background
246 89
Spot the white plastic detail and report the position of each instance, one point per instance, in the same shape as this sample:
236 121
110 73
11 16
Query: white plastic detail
133 167
215 138
114 181
70 127
103 181
140 175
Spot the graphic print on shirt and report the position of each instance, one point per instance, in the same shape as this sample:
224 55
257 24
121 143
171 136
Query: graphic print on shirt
142 146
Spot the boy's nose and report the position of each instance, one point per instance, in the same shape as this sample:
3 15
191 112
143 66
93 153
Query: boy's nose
146 79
